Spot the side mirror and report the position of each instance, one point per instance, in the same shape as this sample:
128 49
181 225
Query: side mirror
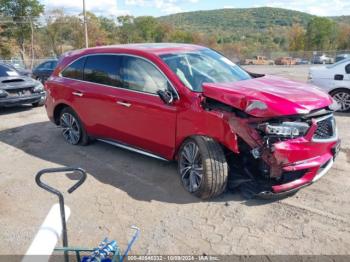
338 77
166 96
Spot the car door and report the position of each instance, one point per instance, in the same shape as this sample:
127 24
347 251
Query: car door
347 75
144 120
102 86
340 76
71 89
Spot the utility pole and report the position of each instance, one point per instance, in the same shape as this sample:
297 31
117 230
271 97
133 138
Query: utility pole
85 26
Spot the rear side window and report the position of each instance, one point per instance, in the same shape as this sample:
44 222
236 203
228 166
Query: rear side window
75 70
141 75
347 69
103 69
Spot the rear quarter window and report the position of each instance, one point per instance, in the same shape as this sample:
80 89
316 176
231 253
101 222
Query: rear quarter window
75 69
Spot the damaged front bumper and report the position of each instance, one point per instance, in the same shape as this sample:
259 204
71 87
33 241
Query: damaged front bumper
281 167
292 187
318 157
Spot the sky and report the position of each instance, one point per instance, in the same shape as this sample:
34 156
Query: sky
165 7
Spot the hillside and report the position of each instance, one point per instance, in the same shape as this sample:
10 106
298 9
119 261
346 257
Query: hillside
239 19
342 19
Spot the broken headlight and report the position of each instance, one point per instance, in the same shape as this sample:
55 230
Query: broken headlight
284 129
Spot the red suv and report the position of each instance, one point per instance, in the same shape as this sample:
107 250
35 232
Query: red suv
223 125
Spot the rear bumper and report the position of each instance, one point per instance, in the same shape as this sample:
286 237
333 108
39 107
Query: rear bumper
14 101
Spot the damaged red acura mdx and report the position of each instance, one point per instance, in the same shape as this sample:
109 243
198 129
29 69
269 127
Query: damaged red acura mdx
223 125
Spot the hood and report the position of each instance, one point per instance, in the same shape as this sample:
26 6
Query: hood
320 71
269 96
15 82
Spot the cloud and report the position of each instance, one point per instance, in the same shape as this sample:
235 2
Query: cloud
165 6
228 6
315 7
100 7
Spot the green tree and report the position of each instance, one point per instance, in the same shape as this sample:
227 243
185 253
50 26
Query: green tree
127 31
55 30
149 28
344 36
108 24
296 38
24 14
321 34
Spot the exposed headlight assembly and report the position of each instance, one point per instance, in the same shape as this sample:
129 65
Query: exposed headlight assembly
285 129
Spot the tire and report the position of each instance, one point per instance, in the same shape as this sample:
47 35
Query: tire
208 172
342 96
73 130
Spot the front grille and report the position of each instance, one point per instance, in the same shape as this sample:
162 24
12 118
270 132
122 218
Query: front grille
325 128
19 92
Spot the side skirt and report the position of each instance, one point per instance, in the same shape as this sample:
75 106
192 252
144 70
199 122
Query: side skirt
133 149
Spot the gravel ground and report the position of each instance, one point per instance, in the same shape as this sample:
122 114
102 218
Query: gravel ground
124 188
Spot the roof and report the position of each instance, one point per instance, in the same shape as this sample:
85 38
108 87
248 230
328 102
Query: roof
155 48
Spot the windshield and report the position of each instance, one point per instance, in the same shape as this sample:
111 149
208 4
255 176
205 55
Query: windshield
203 66
7 71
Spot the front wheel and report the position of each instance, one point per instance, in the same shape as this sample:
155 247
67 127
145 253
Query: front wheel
72 129
202 166
342 96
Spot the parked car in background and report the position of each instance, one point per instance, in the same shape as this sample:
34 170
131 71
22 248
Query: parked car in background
191 104
322 59
258 60
341 57
21 71
335 80
285 61
301 61
18 90
43 71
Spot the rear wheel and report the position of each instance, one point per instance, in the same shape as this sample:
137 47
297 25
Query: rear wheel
72 129
202 166
342 96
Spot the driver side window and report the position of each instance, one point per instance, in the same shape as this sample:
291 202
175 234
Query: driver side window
140 75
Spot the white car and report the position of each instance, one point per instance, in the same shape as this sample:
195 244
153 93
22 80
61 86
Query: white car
335 80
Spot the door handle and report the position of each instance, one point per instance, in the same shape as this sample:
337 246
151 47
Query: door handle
123 103
77 94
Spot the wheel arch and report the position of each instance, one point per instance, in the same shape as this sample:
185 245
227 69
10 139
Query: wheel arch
57 112
225 144
338 89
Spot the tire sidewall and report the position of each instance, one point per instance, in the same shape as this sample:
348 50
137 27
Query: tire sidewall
205 190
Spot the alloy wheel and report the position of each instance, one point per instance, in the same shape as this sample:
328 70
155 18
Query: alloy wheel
70 128
343 99
191 167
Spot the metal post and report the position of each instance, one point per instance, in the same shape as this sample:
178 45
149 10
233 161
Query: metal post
85 26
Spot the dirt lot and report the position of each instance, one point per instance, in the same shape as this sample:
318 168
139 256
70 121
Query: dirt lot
124 188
